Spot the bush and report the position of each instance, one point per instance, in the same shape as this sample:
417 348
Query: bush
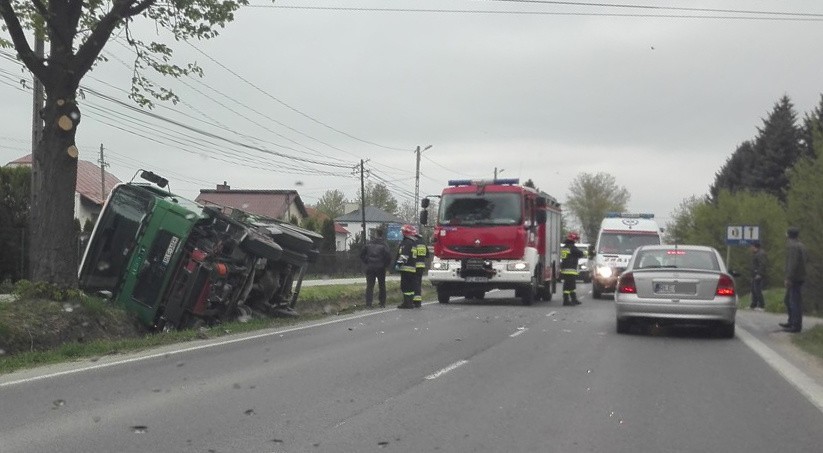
27 290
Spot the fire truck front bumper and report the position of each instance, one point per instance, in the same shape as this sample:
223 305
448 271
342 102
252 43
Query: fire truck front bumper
490 274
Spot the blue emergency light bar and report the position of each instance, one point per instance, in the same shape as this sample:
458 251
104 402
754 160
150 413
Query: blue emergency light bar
629 215
482 182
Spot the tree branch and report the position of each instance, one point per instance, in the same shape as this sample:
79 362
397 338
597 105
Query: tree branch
89 50
21 44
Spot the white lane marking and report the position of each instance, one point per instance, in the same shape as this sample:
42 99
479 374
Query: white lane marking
803 383
169 353
522 330
451 367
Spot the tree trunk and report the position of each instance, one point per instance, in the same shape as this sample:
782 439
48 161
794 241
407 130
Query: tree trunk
53 250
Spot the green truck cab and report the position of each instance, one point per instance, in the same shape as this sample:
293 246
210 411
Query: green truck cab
178 264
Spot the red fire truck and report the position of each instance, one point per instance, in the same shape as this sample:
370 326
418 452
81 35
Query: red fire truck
494 235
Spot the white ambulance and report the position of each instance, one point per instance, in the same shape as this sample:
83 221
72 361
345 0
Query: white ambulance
620 234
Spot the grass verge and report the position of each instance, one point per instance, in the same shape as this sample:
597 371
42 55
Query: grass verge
23 320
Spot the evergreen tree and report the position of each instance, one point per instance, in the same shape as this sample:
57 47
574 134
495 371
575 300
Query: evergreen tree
811 122
777 149
735 174
329 239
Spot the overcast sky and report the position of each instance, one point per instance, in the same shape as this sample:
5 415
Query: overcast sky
658 102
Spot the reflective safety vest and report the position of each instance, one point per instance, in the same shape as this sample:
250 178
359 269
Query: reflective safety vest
421 251
407 256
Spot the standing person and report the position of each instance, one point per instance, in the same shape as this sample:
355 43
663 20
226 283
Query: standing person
759 266
569 257
406 264
420 266
376 257
795 274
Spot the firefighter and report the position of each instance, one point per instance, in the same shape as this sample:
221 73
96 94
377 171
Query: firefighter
569 257
406 264
420 266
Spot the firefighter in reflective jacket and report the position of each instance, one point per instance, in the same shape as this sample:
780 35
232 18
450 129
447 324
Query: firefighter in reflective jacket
420 266
569 257
406 264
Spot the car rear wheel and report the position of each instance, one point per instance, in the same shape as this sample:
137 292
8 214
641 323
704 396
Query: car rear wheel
725 330
442 296
623 326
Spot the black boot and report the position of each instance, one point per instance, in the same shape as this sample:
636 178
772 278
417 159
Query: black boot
574 299
407 302
566 300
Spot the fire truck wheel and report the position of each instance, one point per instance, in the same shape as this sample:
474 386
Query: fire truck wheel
529 294
442 296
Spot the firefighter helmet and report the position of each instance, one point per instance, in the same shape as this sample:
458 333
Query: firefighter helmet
573 236
408 230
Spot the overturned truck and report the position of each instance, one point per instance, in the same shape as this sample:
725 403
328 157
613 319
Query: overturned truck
177 264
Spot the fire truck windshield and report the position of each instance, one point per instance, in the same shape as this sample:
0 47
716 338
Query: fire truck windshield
485 209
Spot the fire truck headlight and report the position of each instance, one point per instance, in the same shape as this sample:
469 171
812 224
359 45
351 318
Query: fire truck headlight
605 271
517 266
440 265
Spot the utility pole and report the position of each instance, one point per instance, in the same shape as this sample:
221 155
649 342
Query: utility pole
103 166
363 199
418 151
495 172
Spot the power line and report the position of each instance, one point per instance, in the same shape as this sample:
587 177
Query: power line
794 17
289 106
655 7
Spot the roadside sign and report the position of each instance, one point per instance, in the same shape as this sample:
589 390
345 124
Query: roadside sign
393 232
742 235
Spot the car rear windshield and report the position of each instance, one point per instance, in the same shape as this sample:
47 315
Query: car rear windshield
679 259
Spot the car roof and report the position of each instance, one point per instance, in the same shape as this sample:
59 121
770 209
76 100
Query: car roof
676 246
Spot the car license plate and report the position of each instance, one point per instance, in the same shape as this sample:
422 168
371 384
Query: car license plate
675 288
665 288
477 279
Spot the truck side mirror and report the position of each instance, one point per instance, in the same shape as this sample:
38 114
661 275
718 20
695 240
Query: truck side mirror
424 203
424 217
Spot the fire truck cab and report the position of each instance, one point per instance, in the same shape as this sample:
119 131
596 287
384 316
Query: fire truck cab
494 234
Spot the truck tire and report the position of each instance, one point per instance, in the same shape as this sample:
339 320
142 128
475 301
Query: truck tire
596 292
528 294
442 296
261 246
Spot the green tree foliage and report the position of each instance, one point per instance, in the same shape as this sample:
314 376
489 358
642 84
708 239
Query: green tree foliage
75 33
591 196
736 173
329 238
682 222
811 122
332 203
710 221
529 183
311 224
15 189
805 210
763 165
379 196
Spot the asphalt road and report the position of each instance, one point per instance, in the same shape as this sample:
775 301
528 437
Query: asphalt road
491 376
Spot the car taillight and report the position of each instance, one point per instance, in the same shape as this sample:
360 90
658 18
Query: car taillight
725 286
626 284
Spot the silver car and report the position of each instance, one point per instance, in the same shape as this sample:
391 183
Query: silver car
677 284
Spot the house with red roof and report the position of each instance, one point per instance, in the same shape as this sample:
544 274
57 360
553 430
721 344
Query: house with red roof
275 204
92 188
341 238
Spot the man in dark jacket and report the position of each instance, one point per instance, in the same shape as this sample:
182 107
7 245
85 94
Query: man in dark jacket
376 257
759 266
795 274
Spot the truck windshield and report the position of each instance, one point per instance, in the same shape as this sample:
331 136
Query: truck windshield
625 243
110 246
486 209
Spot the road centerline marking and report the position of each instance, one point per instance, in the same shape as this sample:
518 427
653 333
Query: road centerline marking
449 368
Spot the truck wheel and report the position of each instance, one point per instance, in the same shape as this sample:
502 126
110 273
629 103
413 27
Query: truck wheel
530 293
596 292
261 246
442 296
623 326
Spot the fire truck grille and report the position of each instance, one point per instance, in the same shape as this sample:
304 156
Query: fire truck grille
476 268
472 250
